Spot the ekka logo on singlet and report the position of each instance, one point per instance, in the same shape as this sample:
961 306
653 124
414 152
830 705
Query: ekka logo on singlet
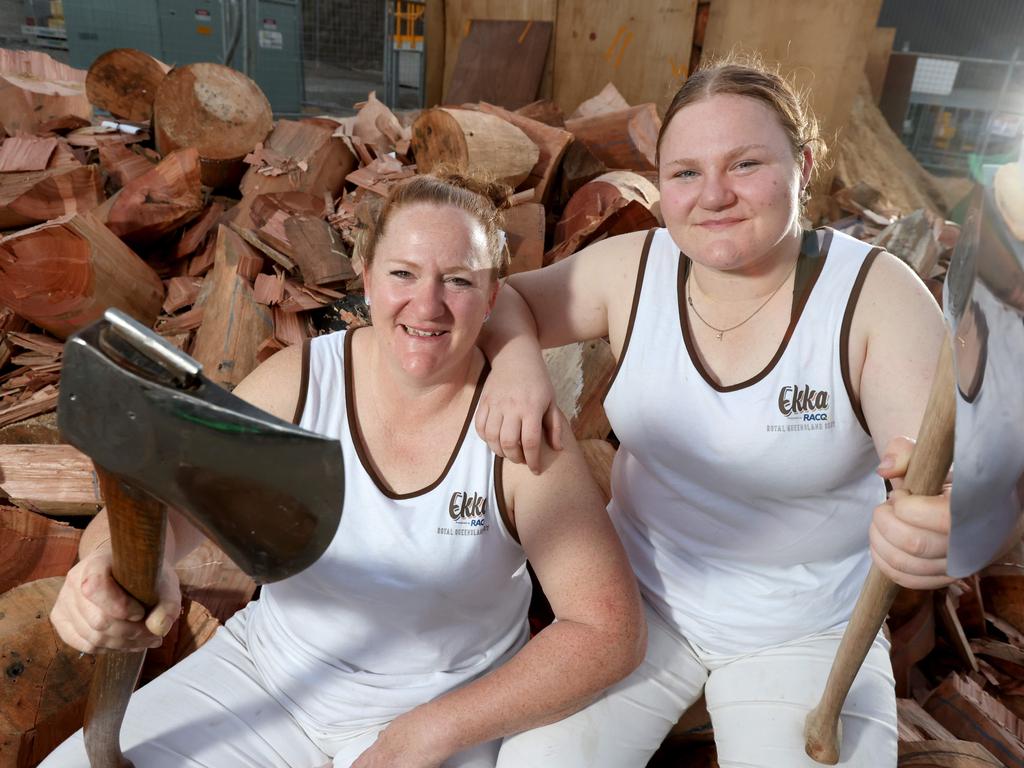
805 408
468 514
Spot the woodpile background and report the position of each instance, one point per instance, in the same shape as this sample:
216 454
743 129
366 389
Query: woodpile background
234 244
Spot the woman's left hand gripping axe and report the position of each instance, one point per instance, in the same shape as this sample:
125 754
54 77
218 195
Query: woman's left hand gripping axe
162 434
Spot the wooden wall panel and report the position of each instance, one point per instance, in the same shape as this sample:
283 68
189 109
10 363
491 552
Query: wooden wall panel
643 48
457 16
434 41
823 45
878 59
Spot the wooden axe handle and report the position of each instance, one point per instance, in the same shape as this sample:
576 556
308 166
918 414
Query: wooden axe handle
929 465
137 540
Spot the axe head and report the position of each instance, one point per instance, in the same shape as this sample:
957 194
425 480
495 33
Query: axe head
268 493
983 302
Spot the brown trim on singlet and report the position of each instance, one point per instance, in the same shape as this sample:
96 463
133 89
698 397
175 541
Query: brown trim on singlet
641 268
844 335
810 262
499 495
357 436
303 382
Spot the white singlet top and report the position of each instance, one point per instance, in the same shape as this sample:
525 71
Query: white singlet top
417 594
745 509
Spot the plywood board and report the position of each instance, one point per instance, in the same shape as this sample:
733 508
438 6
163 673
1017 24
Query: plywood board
457 16
819 44
643 48
501 62
878 59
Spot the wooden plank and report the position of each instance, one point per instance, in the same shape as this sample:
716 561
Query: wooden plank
643 51
877 63
501 62
802 39
457 15
49 479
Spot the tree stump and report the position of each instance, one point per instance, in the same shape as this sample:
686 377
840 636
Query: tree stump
474 143
220 112
124 82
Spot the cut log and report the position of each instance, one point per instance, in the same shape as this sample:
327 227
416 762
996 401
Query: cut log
581 374
612 204
579 166
45 683
34 547
945 754
299 157
971 714
158 202
607 100
26 153
193 627
197 232
551 143
36 88
29 198
49 479
543 111
64 274
316 247
124 82
220 112
474 143
626 139
121 164
234 325
181 292
524 232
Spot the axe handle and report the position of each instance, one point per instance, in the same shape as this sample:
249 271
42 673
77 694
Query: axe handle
929 465
137 539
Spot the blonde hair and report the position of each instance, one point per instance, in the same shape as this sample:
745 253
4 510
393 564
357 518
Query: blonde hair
482 200
748 76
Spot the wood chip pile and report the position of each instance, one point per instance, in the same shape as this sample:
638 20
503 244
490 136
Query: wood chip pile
235 236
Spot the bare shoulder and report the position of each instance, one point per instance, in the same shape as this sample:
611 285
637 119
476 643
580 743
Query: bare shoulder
275 385
894 298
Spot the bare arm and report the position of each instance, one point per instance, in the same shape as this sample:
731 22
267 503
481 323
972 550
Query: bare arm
92 612
585 296
599 636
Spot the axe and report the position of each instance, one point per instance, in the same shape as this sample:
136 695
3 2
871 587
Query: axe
160 433
977 389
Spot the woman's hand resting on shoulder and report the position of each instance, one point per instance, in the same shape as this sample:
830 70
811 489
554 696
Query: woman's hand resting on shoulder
93 613
909 534
517 410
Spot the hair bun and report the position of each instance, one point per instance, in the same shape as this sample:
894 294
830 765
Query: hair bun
498 193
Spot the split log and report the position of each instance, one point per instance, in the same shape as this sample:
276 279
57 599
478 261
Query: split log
581 374
551 143
1002 587
45 683
914 724
234 325
543 111
194 237
217 110
612 204
945 754
914 239
124 82
121 164
181 292
377 126
316 247
92 136
64 274
608 100
36 88
49 479
34 547
524 232
579 166
158 202
26 153
42 401
626 139
298 157
380 175
475 143
29 198
971 714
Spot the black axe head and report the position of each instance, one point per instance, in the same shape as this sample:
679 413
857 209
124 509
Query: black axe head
266 492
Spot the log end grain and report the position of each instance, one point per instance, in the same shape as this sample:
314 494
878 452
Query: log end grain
438 141
124 82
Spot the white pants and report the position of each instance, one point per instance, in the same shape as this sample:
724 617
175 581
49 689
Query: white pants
212 711
757 702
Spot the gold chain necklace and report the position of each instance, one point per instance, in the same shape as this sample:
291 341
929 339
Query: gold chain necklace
722 331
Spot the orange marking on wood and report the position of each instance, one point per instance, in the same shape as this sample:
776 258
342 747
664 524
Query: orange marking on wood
611 48
625 44
526 31
678 70
626 37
